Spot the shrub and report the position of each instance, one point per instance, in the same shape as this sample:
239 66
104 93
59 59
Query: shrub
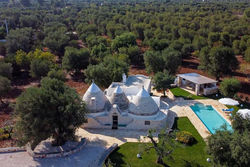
1 131
75 59
6 70
39 68
185 137
4 137
247 54
229 87
74 44
246 99
5 87
5 133
57 74
2 49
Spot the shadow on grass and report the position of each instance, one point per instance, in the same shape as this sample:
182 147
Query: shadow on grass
175 126
116 158
191 164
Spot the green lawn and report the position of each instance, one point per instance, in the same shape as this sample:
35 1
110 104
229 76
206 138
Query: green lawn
194 155
178 92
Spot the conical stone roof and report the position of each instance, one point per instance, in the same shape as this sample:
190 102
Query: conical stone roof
118 97
143 104
95 99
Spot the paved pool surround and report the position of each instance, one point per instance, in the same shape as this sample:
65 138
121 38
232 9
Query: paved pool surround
182 109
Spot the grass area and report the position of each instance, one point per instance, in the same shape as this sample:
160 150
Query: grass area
178 92
183 155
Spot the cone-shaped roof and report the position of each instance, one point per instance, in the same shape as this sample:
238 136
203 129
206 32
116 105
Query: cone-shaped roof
143 93
95 99
143 104
93 88
118 90
118 97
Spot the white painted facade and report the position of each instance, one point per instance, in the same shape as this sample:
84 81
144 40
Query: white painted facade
125 105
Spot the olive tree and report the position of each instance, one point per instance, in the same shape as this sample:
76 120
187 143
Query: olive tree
162 81
164 147
231 148
110 70
39 68
53 110
6 70
75 59
229 87
4 87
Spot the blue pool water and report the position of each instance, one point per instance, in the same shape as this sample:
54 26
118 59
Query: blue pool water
210 117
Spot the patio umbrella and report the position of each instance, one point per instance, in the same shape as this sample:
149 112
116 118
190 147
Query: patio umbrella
229 101
244 112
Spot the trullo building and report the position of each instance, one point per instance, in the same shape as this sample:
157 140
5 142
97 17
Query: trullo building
125 105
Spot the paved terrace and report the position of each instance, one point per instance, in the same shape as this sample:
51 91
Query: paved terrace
99 140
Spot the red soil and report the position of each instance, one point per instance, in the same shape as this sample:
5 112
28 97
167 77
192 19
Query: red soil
137 70
79 86
8 143
142 48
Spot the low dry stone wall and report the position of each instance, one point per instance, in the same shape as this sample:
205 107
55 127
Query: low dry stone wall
62 153
12 149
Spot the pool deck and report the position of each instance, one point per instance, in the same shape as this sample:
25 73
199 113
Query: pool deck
182 108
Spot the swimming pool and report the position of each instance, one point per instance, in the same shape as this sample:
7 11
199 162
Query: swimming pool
210 117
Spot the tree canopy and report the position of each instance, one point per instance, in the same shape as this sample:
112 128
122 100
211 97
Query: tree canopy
19 39
4 87
75 59
218 61
229 148
53 110
229 87
6 70
162 81
110 70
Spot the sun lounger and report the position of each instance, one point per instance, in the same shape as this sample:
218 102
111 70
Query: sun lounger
228 110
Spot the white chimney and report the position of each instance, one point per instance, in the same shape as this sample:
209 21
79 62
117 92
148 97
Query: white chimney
93 103
124 78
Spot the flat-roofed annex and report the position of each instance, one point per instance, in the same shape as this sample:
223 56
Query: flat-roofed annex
196 78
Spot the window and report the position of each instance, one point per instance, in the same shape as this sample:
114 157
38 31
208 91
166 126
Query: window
147 122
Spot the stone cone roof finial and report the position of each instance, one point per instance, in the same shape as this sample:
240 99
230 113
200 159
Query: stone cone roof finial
93 88
143 93
118 90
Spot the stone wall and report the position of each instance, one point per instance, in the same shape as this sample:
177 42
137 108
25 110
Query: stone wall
12 149
56 154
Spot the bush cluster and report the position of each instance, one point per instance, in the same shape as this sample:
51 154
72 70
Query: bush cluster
185 137
5 133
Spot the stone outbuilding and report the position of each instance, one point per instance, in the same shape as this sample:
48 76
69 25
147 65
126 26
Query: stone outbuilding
197 84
